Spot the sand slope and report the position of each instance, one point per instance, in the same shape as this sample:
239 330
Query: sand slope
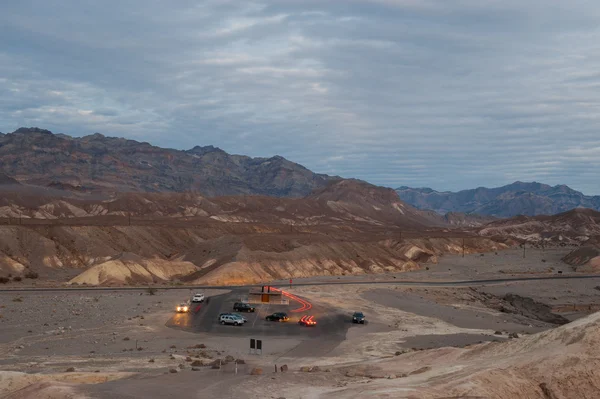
559 363
130 269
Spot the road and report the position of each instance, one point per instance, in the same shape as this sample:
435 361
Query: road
420 283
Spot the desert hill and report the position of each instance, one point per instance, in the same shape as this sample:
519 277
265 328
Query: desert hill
349 227
558 363
573 227
518 198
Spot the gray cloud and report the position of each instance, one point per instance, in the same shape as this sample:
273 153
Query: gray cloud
435 93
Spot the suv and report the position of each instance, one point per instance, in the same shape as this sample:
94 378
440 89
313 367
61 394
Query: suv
242 318
358 317
279 316
231 319
243 307
198 298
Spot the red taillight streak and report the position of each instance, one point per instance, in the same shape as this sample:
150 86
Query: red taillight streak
305 304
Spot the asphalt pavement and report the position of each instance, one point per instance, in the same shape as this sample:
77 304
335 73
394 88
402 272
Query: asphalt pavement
330 322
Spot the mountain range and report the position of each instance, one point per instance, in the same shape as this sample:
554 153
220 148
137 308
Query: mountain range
101 165
95 209
97 163
514 199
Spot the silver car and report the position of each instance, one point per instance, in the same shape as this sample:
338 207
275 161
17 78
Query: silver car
231 319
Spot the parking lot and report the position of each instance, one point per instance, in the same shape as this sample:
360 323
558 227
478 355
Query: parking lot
204 318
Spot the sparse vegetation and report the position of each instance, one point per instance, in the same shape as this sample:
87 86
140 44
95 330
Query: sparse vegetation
31 274
17 299
151 291
4 280
17 278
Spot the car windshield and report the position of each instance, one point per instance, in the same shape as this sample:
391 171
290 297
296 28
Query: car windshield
358 314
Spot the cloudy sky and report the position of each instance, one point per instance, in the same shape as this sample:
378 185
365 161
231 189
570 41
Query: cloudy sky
449 94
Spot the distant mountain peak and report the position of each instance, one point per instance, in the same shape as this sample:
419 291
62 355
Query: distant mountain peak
95 136
518 198
200 150
31 130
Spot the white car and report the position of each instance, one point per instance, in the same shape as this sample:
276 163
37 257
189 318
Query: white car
198 298
231 319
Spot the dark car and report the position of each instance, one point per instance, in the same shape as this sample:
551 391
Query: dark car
358 317
279 316
243 307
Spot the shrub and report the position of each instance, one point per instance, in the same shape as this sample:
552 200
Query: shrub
151 291
17 278
4 280
31 275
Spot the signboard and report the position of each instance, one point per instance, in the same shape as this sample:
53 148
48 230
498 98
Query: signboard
255 346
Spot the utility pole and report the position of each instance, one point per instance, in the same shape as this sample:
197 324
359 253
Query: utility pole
463 254
524 250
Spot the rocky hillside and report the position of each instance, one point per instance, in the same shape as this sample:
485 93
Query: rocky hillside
97 163
519 198
570 228
349 227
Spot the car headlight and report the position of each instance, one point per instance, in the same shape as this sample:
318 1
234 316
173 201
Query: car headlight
185 309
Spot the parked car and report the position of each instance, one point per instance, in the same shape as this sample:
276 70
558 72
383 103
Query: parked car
198 298
307 321
242 318
182 308
358 317
279 316
231 319
243 307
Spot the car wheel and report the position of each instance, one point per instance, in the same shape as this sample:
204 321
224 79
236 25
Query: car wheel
222 322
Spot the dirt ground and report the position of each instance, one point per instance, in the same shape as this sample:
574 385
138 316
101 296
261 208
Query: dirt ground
118 343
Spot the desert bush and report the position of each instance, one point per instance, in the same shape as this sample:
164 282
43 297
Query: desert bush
4 280
32 275
17 278
151 291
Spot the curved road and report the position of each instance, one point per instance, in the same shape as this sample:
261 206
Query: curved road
341 282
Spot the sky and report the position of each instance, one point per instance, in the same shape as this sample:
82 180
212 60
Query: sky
448 94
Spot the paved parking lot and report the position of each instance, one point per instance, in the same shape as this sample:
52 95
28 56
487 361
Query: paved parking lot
330 323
